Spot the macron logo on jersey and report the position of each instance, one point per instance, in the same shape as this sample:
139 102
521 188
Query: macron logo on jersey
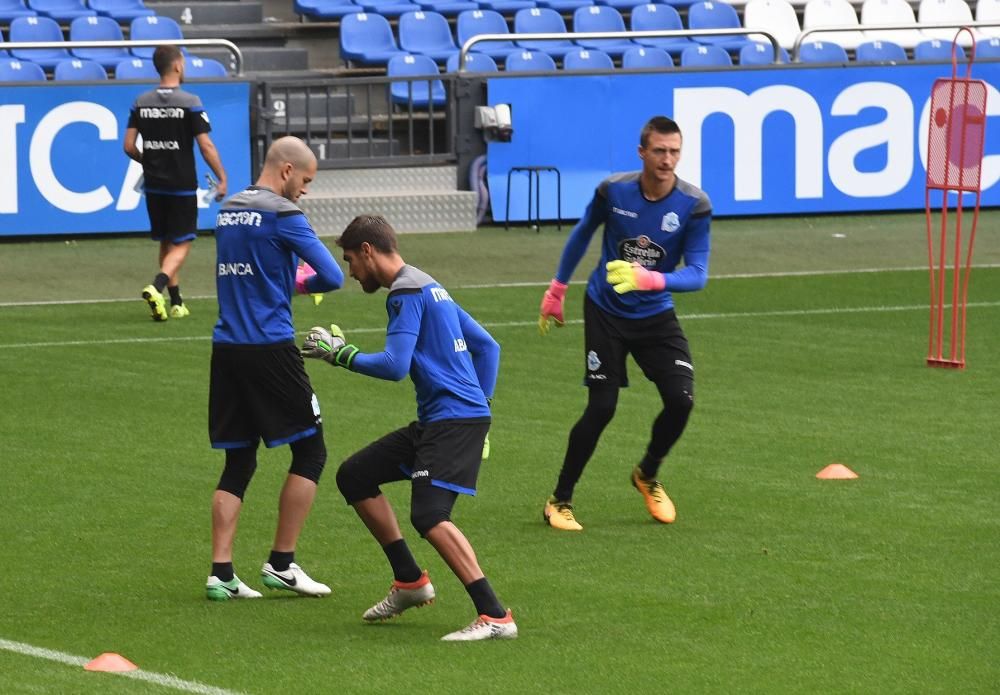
440 294
626 213
239 268
226 219
161 112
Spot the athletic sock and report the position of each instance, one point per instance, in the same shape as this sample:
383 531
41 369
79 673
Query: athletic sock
486 601
223 570
404 567
280 561
160 281
649 467
175 295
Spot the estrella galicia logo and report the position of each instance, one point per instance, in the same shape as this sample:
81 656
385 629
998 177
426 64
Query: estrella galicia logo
641 250
670 222
593 361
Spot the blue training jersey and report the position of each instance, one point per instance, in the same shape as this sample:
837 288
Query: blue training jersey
259 237
450 358
657 234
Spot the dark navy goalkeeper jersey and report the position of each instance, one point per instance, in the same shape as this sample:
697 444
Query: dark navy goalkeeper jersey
658 234
169 120
259 237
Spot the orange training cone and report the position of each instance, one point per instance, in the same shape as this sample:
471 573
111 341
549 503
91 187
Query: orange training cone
836 471
109 661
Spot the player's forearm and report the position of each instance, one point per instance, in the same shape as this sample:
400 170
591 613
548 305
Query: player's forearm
328 275
690 278
485 353
393 363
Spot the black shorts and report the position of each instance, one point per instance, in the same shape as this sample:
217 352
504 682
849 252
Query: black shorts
656 342
259 392
445 454
172 217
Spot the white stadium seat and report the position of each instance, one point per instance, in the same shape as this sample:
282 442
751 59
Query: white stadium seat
890 12
777 17
988 11
945 11
832 13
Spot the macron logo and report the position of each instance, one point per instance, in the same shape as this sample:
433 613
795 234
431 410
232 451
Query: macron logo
164 112
236 269
440 294
226 219
419 474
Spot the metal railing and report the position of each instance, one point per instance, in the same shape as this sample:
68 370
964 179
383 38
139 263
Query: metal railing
863 28
237 63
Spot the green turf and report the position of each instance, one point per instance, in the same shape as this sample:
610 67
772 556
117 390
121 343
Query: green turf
770 581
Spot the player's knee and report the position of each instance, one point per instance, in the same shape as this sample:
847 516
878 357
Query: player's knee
678 396
238 471
601 406
352 484
308 458
424 519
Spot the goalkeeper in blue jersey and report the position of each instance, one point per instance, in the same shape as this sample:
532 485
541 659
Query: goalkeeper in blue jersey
453 364
652 222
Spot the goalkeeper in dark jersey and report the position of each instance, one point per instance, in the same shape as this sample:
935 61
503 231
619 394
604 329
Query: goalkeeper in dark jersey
652 222
170 122
453 363
259 388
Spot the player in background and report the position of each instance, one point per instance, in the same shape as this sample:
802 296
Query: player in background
170 121
259 388
652 220
453 363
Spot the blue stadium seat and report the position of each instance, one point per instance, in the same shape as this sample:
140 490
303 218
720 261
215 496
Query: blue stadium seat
153 29
711 14
760 53
506 7
822 52
527 61
475 22
79 70
13 70
98 29
367 39
326 9
601 18
38 29
136 69
653 17
564 5
63 11
449 7
588 59
880 52
121 10
620 5
11 9
415 91
936 51
542 20
699 56
988 48
426 33
646 57
388 8
204 67
474 62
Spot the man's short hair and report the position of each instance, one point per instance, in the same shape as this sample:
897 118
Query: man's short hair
373 229
658 124
164 57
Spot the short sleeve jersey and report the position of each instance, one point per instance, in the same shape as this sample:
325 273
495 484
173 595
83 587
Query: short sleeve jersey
169 120
441 369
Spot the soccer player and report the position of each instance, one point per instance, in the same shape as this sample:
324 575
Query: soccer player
170 121
259 388
453 363
652 220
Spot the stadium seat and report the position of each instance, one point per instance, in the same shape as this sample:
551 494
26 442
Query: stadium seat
136 69
98 29
38 29
880 52
620 5
388 8
506 7
542 20
601 18
415 91
988 11
367 39
936 51
153 29
710 14
326 9
79 70
564 6
475 22
449 7
777 17
704 56
942 12
646 57
11 9
653 17
474 62
121 10
760 53
822 52
527 61
988 48
63 11
889 12
204 67
832 13
14 70
587 59
426 33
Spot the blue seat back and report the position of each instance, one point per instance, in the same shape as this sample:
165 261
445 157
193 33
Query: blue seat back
13 70
153 29
474 62
587 59
936 51
760 53
204 67
76 69
363 32
37 29
988 48
136 69
597 18
880 52
710 14
403 92
646 57
539 20
475 22
822 52
705 56
525 61
422 31
97 29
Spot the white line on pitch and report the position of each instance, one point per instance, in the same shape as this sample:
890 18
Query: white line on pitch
164 679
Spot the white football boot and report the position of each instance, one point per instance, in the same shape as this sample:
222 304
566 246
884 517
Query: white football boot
293 579
402 595
485 627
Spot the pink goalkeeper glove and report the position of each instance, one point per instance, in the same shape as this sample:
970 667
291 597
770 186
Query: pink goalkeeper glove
552 307
303 273
628 277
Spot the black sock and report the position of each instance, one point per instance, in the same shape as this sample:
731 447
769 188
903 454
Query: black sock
160 281
404 567
280 561
223 570
649 466
486 601
175 295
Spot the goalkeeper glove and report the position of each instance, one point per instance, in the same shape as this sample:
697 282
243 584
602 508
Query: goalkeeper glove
552 307
486 442
628 277
329 346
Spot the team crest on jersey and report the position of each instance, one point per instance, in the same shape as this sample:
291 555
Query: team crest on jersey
670 222
593 361
641 250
